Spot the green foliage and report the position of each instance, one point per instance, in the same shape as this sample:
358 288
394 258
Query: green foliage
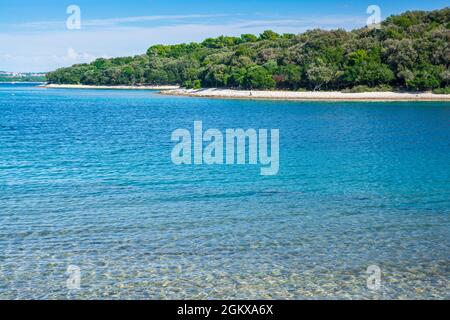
320 74
249 38
259 78
423 80
363 88
445 90
288 77
197 84
410 51
269 35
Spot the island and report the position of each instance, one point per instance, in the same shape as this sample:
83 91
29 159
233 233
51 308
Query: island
407 58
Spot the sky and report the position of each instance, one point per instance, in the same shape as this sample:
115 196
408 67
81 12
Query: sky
34 36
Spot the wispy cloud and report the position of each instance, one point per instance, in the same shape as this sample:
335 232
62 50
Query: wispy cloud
116 21
203 19
312 22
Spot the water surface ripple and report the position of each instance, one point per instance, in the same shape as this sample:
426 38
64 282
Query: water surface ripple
86 179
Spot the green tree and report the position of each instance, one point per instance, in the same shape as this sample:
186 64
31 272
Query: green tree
423 80
249 38
259 78
320 74
269 35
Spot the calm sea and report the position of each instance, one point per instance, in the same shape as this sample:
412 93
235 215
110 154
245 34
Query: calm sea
87 184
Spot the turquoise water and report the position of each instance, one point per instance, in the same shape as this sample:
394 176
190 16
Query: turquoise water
86 179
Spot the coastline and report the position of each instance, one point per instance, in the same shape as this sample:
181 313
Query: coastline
269 95
82 86
306 96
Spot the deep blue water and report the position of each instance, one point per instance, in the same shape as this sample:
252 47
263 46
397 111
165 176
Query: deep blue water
86 179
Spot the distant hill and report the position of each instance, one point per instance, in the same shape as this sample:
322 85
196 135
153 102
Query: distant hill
411 51
22 77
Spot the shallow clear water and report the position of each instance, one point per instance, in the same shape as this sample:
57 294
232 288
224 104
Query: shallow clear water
86 179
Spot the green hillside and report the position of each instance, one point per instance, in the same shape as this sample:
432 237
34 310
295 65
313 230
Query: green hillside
411 51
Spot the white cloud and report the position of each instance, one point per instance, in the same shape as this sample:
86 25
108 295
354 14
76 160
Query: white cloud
75 56
43 61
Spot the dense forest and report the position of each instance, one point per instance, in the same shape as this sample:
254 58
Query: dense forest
410 52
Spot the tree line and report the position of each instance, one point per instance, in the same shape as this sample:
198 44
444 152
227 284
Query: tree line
409 52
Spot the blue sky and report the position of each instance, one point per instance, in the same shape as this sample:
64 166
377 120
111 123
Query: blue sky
34 36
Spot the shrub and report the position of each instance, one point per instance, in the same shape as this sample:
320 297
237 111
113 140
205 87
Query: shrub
361 89
445 90
197 84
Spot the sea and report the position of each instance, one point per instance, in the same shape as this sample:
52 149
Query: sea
93 207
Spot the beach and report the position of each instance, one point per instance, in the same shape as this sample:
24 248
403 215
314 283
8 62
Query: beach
82 86
307 96
269 95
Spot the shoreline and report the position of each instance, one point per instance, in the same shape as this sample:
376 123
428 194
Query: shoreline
269 95
82 86
306 96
